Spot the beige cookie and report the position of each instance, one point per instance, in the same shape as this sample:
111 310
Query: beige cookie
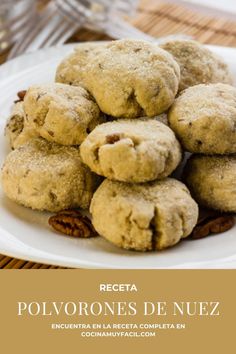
15 123
46 176
198 65
144 217
132 150
204 119
212 181
70 71
61 113
128 78
16 130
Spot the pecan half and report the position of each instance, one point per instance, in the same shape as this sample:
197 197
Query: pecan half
211 222
112 138
21 95
72 223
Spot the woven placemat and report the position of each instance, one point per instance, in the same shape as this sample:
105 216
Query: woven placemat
158 19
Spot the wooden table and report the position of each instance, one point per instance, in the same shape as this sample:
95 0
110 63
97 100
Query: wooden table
157 18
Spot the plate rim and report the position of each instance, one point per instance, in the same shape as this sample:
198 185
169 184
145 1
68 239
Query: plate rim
39 256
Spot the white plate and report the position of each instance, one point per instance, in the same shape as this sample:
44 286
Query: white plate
25 233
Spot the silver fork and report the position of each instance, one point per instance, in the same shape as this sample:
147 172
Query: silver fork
14 17
61 18
103 15
50 29
106 16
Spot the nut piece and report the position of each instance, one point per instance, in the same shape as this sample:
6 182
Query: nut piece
212 223
72 223
21 95
112 138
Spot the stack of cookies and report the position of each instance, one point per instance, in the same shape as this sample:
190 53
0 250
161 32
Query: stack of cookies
204 119
45 171
104 122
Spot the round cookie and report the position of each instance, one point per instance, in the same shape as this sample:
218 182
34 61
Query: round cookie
204 119
70 71
61 113
136 151
128 78
212 181
46 176
198 65
143 217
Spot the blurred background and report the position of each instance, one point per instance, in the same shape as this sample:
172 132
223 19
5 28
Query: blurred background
28 25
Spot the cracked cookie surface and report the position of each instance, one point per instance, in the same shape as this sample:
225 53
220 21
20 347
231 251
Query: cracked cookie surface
143 217
212 182
204 119
136 151
61 113
128 78
198 65
46 176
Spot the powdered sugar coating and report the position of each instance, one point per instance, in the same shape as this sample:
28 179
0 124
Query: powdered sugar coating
128 78
198 65
212 182
46 176
204 119
61 113
143 217
138 150
71 69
